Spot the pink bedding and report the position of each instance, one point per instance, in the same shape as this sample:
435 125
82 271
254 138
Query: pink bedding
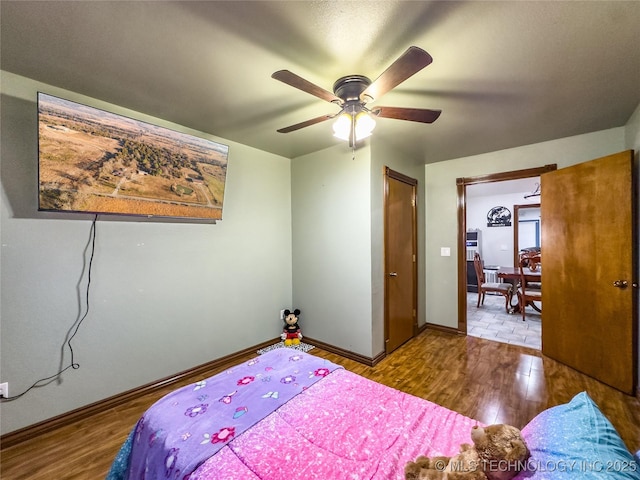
286 415
344 426
295 416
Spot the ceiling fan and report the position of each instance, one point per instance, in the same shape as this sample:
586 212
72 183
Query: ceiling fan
353 92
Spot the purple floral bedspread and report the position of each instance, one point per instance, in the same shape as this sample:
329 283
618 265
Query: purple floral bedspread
183 429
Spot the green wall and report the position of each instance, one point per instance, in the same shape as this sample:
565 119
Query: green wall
165 296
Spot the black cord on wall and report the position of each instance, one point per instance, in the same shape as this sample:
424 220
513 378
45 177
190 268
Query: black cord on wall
72 364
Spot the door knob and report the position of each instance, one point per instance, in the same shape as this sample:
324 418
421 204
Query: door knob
620 284
393 274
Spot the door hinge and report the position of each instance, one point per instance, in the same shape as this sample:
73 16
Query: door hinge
414 312
414 258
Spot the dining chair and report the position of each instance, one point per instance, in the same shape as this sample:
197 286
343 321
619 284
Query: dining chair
531 259
529 292
504 289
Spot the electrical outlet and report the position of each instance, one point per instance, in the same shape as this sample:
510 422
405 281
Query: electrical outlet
282 314
4 390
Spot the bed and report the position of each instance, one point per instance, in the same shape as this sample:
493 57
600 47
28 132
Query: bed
287 414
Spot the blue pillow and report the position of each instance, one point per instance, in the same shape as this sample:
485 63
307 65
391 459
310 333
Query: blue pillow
576 441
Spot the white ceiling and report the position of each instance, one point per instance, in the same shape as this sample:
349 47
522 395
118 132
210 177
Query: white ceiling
504 73
525 186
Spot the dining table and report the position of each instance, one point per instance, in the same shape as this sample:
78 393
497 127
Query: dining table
512 275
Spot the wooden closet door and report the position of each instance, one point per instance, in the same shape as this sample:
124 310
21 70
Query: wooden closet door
400 259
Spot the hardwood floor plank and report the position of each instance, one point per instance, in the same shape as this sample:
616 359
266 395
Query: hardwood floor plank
489 381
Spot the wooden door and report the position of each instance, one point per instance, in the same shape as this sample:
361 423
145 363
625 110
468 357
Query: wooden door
400 259
589 323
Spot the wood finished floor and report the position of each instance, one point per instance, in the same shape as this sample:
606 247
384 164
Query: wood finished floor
489 381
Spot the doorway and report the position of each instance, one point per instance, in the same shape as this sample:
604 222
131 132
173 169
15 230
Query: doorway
462 184
499 248
526 229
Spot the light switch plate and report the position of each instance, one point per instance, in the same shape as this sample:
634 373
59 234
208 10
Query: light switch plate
445 251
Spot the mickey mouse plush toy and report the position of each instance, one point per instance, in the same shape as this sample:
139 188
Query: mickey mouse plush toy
291 333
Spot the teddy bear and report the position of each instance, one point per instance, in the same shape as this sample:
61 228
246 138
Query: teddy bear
498 452
291 333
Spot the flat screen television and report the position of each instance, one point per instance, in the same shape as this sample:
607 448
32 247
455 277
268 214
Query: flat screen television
94 161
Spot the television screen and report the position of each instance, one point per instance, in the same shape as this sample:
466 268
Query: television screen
94 161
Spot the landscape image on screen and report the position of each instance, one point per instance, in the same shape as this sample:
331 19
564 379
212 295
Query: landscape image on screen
93 161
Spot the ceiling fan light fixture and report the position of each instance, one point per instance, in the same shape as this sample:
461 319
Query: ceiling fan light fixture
343 126
364 125
355 121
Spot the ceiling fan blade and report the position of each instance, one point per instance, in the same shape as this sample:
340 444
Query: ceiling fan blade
421 115
409 63
298 126
300 83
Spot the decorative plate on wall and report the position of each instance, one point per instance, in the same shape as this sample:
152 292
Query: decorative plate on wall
499 217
